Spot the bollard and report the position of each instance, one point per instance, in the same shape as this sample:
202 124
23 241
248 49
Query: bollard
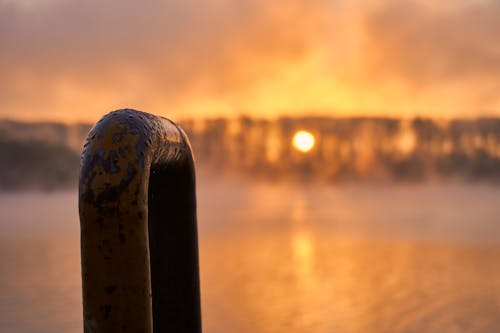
139 241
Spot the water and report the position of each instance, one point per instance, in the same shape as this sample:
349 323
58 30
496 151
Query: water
278 258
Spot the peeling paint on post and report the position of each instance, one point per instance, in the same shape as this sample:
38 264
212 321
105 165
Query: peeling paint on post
138 227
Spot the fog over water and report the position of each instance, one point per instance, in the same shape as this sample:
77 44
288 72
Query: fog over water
282 257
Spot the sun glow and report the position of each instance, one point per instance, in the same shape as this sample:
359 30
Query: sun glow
303 141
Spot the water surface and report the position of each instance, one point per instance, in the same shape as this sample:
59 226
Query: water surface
278 258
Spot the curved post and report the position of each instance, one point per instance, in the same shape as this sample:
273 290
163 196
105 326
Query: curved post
138 227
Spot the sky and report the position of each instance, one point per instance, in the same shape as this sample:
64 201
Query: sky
70 60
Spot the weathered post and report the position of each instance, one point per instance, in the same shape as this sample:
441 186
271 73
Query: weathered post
138 227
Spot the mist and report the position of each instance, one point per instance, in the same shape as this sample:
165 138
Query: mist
76 60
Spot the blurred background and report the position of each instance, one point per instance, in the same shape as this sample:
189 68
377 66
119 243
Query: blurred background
348 155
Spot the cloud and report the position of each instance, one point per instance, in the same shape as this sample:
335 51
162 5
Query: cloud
430 47
70 59
154 48
427 44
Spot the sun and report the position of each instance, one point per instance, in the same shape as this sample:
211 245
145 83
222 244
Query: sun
303 141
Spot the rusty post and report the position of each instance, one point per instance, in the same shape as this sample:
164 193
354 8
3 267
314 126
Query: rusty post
138 227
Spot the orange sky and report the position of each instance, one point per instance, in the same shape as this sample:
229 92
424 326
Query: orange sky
74 60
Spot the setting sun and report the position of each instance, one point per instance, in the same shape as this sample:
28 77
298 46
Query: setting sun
303 141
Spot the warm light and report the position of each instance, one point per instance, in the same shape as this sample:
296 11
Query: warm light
303 141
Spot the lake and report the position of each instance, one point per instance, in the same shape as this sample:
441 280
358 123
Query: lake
287 258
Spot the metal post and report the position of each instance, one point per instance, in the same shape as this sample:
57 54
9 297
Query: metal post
138 227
